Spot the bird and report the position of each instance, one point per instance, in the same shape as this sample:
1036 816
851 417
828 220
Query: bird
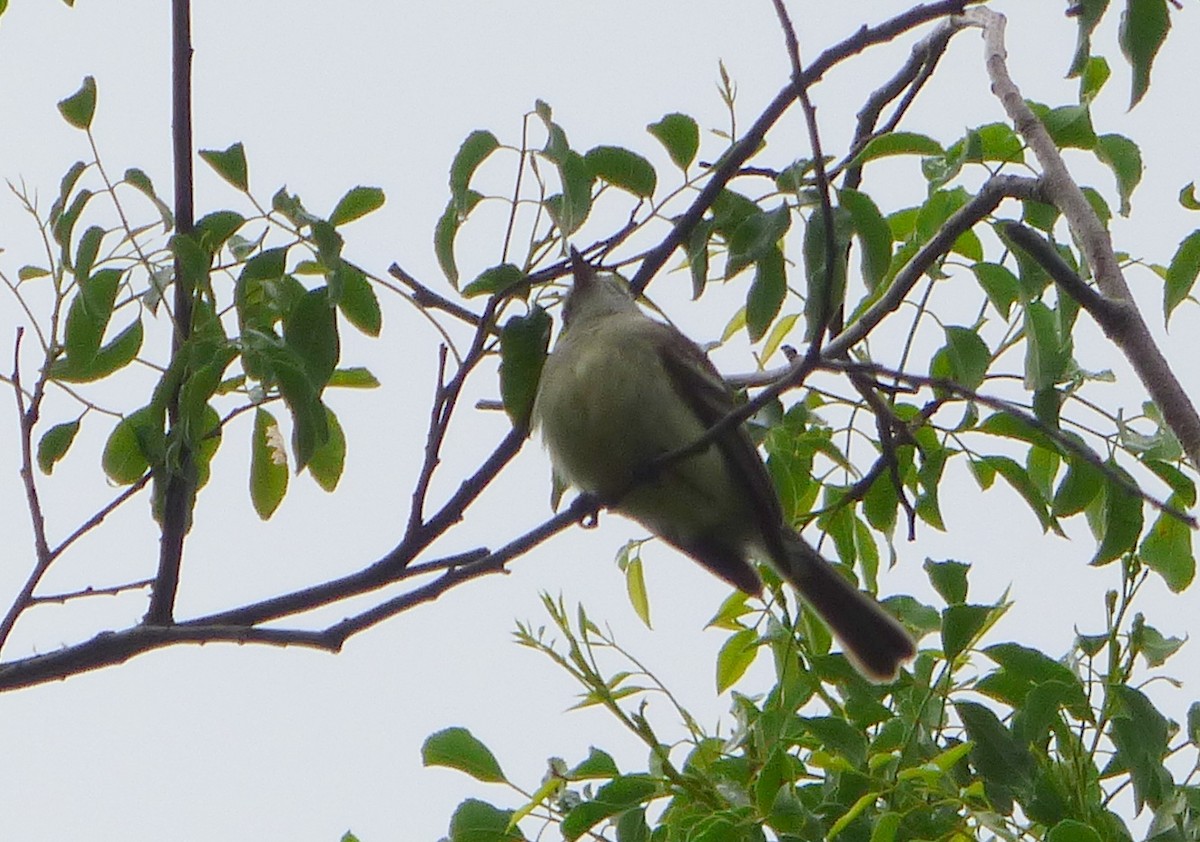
620 390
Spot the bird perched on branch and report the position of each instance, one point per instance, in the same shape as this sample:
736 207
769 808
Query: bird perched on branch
618 393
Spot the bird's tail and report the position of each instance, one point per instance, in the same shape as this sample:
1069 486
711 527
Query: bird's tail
872 638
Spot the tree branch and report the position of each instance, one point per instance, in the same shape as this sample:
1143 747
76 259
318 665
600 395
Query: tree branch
1134 337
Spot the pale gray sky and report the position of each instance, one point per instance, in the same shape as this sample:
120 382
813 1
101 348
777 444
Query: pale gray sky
225 742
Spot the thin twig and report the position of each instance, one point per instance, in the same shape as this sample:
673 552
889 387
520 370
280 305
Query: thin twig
111 590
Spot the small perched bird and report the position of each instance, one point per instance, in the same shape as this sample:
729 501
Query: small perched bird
620 390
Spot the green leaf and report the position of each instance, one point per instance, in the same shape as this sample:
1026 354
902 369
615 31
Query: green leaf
1017 477
85 252
1187 196
214 229
230 164
54 445
598 764
523 344
329 459
1141 735
28 273
961 625
680 135
89 314
1167 550
735 657
268 464
964 358
358 302
1068 125
446 231
826 285
624 169
873 233
1193 723
473 152
996 754
478 821
1079 487
949 579
1069 830
755 236
571 207
765 297
1144 27
1118 519
495 279
999 284
134 444
1181 273
117 354
618 795
458 748
79 108
1125 160
899 143
1089 13
358 202
635 587
355 377
1047 353
310 331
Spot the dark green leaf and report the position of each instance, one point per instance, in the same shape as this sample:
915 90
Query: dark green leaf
881 504
523 344
65 223
133 445
1181 273
765 296
447 230
598 764
680 135
999 142
1047 353
85 252
964 358
1187 196
616 796
268 464
1017 477
473 152
230 164
1141 734
899 143
1120 520
214 229
54 445
1125 159
999 284
624 169
570 208
996 754
358 302
1193 723
874 235
826 285
88 316
79 108
1079 487
1069 830
493 280
329 458
458 748
28 273
1144 27
1088 16
1167 550
755 236
961 624
358 202
310 330
478 821
949 579
1068 125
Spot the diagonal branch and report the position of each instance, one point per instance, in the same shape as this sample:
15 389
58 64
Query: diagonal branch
1134 338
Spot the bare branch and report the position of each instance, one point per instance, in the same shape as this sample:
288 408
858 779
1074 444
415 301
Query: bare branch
1134 338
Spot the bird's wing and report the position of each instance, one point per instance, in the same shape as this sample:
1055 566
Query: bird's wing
701 387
